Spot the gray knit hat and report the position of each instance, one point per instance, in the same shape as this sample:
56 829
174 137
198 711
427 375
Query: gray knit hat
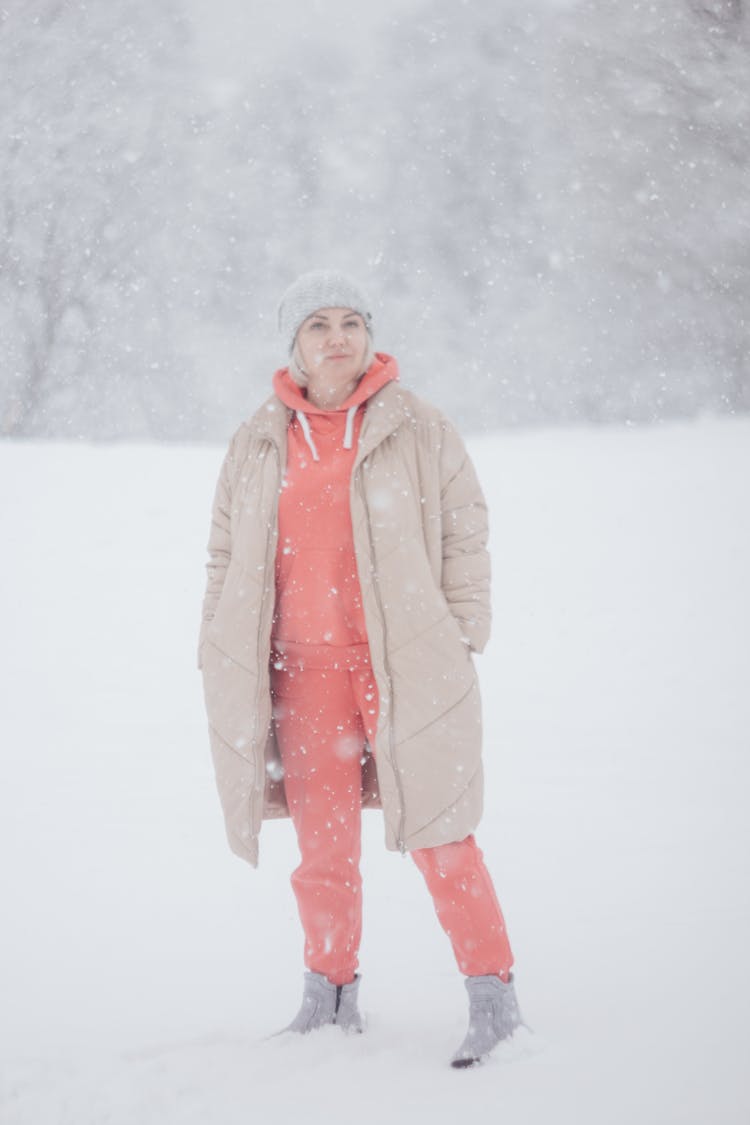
320 289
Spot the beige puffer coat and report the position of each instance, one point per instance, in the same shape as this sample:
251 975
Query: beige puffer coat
420 538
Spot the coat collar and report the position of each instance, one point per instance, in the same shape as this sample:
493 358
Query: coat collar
388 409
271 421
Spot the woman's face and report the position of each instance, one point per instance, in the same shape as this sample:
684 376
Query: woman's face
332 345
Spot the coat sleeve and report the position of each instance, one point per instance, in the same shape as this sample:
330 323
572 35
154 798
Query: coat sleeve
219 544
466 560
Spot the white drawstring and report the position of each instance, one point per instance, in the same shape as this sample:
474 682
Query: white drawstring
308 436
349 429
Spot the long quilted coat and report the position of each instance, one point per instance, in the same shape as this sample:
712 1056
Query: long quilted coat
420 538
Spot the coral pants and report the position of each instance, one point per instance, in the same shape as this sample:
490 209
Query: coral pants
322 718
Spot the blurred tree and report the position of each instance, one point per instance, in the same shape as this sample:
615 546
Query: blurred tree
654 178
92 213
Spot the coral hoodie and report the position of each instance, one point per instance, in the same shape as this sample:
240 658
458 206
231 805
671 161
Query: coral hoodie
318 618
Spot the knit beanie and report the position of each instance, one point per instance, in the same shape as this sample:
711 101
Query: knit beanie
320 289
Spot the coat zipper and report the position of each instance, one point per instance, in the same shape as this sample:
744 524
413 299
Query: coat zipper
261 787
391 728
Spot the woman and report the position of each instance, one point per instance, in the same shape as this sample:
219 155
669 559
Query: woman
348 585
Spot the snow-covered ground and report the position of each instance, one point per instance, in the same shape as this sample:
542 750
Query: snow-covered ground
143 968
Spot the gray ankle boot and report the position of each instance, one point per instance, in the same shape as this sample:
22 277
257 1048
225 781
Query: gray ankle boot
347 1012
493 1015
324 1003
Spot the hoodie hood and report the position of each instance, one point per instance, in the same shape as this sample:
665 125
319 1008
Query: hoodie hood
382 370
